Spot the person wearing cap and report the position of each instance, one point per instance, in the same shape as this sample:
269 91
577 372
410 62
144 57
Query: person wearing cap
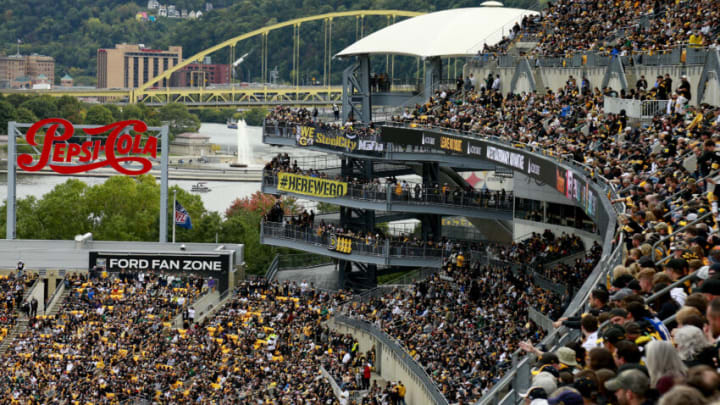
710 288
612 335
548 362
586 385
566 396
618 316
536 395
544 380
630 388
568 360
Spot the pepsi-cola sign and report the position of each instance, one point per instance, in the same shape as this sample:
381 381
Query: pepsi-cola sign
58 154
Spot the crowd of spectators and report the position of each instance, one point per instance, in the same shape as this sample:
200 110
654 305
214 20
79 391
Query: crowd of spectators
462 325
12 290
541 248
567 27
286 116
109 339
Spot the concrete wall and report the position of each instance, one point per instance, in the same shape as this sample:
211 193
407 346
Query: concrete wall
522 228
390 368
38 293
555 77
325 277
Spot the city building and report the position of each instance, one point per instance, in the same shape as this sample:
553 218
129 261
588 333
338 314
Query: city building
27 67
153 4
197 74
67 81
130 66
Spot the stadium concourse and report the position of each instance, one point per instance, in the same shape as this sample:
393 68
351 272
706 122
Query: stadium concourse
651 333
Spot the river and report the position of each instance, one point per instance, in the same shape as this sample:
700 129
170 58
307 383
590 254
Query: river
220 197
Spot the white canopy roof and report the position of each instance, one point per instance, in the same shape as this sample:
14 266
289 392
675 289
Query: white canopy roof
456 32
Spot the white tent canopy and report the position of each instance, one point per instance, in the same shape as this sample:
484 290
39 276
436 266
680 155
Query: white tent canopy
457 32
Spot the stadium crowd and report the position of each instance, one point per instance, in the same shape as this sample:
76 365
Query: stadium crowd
567 27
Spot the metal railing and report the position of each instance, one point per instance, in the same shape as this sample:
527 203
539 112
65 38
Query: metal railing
635 108
302 260
58 293
540 319
675 232
273 268
400 355
422 195
383 248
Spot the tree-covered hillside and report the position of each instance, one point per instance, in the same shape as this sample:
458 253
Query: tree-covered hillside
72 30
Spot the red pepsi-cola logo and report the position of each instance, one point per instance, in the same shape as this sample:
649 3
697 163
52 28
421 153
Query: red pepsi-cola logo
88 155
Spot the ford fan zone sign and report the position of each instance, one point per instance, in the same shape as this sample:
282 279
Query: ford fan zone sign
58 153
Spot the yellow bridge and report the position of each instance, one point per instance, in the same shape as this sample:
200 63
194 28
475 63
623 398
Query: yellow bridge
235 94
205 96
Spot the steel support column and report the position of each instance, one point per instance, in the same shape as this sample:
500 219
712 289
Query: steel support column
357 103
351 274
433 74
12 161
164 159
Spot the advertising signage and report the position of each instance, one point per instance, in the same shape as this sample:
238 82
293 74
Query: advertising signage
58 151
216 266
309 135
574 188
506 156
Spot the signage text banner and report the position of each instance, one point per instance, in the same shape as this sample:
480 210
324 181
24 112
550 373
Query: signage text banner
312 186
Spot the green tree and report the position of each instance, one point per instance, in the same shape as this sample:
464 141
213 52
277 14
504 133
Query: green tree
70 108
178 118
255 116
22 114
62 212
99 115
7 113
132 112
125 208
42 107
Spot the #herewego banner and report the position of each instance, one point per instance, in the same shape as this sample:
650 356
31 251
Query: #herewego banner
59 151
312 186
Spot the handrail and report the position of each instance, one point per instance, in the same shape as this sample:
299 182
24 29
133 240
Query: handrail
273 268
379 248
400 353
663 239
677 193
58 290
668 288
423 196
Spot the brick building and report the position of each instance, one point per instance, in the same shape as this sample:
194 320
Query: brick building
27 67
130 66
195 74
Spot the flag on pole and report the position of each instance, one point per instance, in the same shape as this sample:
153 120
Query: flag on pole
182 218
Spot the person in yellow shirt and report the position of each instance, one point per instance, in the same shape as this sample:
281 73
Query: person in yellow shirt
401 390
696 39
460 260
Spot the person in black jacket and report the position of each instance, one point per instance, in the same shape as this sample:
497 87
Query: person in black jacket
599 298
707 159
